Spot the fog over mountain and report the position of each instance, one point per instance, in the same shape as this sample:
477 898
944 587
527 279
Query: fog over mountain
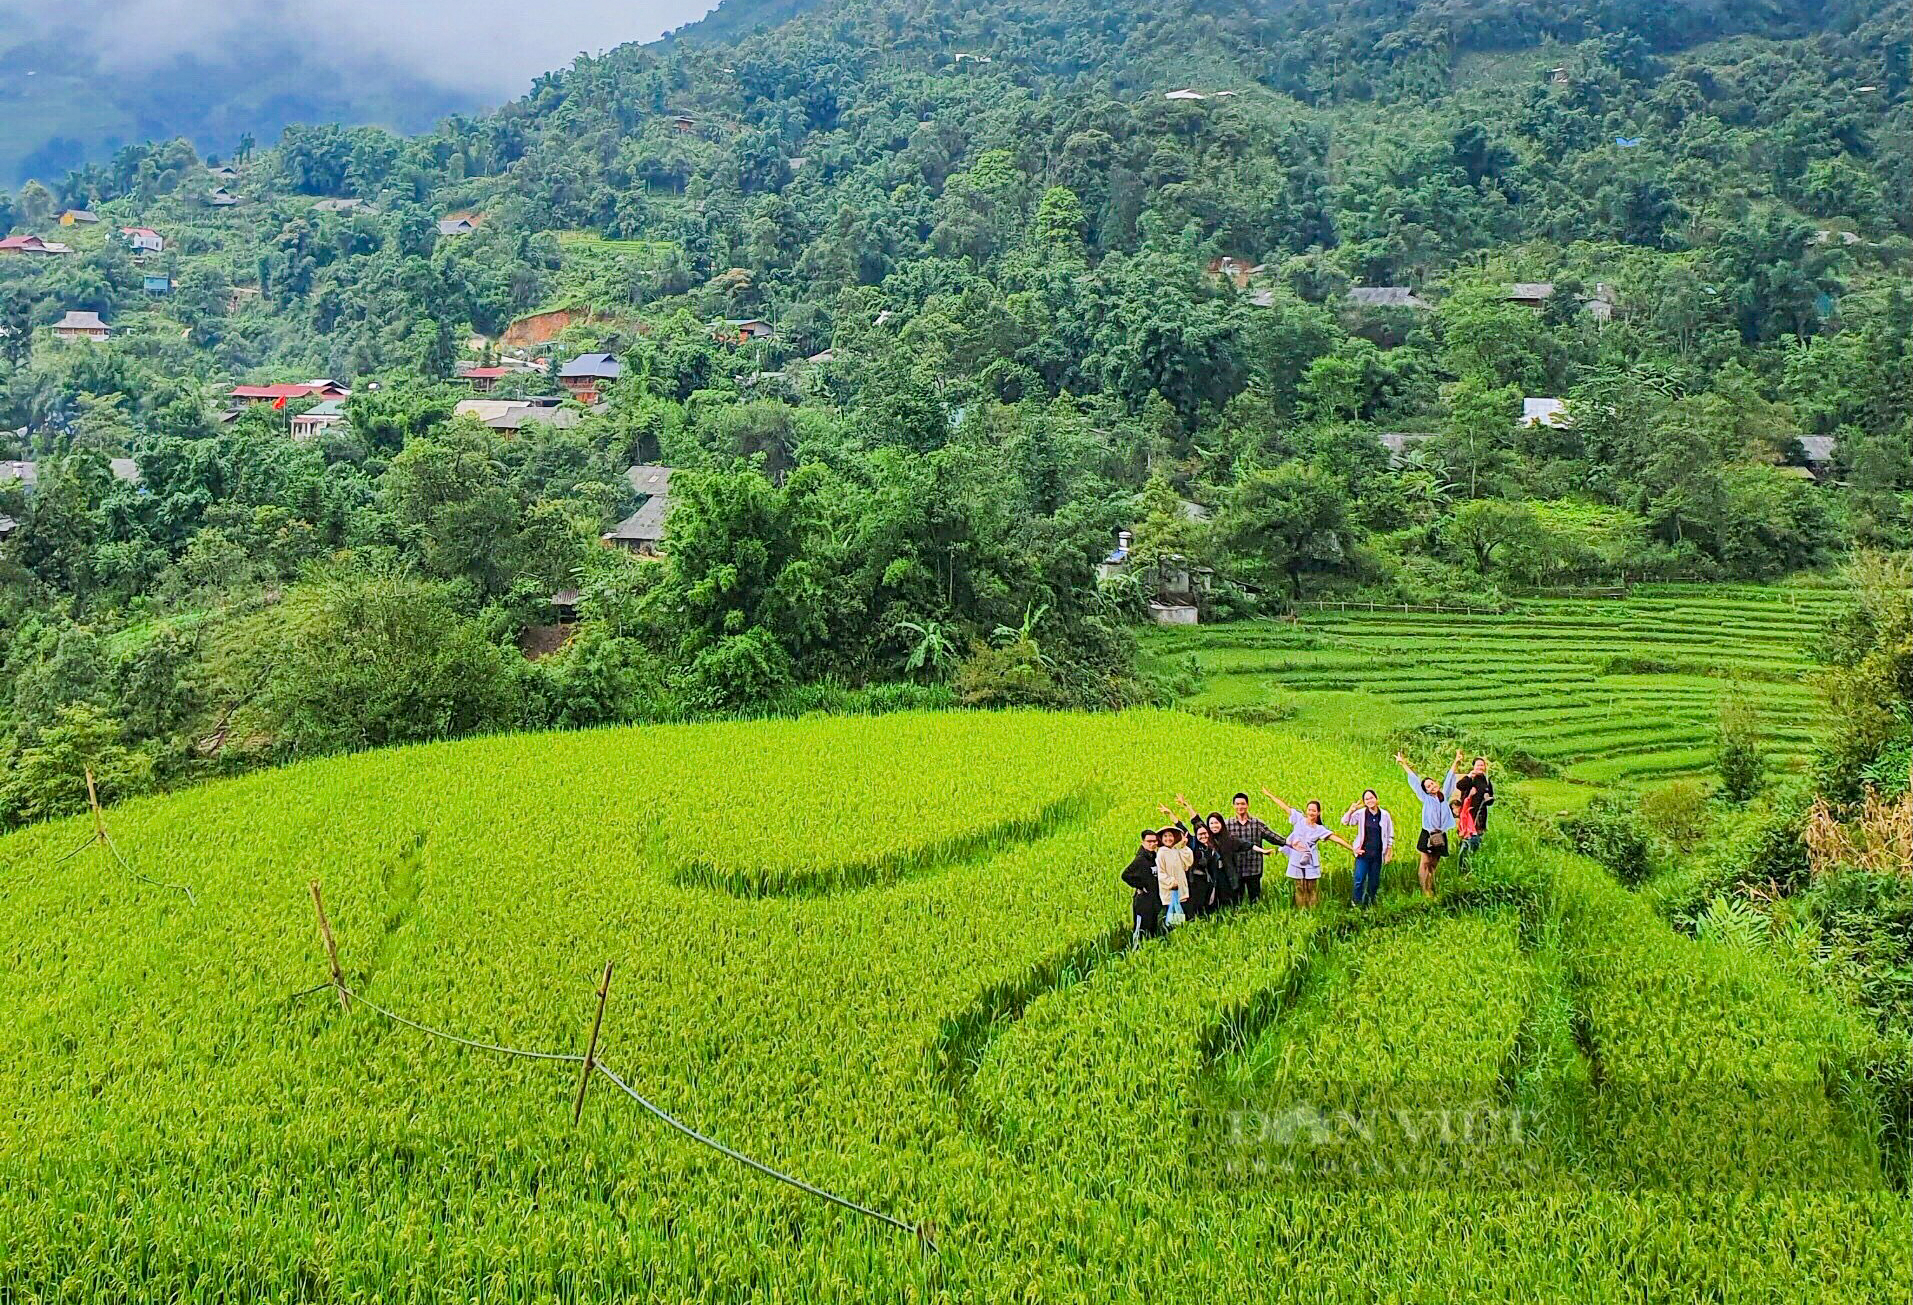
80 78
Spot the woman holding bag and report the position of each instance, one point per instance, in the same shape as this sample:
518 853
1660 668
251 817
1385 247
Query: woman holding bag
1437 822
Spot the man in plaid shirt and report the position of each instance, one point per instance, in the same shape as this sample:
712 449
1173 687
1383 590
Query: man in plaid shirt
1249 831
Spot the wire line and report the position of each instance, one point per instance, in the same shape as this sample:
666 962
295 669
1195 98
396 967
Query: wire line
759 1165
567 1056
666 1117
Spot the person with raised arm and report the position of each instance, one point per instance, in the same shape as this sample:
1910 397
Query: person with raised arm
1477 794
1229 887
1374 843
1202 869
1305 862
1249 833
1213 885
1437 820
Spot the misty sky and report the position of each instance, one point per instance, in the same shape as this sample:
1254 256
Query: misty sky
488 48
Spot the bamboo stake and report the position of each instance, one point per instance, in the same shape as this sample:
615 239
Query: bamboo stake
591 1049
331 949
93 800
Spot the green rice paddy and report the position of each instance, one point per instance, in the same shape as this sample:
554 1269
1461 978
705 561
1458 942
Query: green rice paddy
1584 692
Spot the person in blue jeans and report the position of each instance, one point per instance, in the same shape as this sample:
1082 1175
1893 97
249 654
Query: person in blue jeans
1374 843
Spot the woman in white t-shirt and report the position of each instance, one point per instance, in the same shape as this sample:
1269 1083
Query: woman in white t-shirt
1305 863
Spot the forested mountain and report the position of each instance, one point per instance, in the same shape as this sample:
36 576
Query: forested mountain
1272 285
81 78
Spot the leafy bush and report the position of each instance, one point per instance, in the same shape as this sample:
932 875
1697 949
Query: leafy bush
47 777
1611 832
1678 811
363 659
739 672
1014 675
1738 757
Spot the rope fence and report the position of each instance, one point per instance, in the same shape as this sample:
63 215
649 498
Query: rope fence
104 839
591 1065
664 1116
588 1060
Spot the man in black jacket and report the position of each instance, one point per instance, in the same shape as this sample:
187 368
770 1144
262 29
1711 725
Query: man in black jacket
1140 874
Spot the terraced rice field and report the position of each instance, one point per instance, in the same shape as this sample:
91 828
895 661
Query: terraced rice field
888 955
1595 692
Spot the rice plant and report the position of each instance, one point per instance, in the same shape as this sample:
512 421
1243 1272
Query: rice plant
882 954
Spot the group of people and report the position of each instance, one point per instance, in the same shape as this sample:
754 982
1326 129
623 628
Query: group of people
1191 867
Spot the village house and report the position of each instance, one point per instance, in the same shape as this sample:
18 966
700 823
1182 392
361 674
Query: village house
125 470
1818 450
223 173
1544 412
144 240
586 376
1173 587
79 217
280 395
32 245
81 326
482 379
461 225
156 284
1400 442
513 415
220 197
1184 94
643 531
1384 296
1235 270
744 330
1532 295
684 123
318 419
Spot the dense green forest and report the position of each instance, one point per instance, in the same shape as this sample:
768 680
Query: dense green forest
986 241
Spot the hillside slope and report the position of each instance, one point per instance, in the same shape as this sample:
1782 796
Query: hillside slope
883 954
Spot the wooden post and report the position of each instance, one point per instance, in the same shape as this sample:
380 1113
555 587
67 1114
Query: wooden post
93 800
331 949
591 1048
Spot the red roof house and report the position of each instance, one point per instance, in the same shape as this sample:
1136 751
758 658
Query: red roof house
32 245
324 389
482 379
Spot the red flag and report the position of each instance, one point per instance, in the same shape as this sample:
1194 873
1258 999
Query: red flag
279 402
